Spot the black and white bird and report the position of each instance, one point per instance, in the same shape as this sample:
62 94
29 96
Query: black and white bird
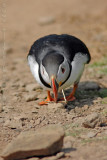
57 62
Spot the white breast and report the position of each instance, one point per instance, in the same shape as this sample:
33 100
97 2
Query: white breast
34 67
78 65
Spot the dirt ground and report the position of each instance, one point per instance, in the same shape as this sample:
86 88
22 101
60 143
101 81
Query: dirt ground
21 23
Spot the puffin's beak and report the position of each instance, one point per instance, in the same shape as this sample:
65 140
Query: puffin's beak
55 87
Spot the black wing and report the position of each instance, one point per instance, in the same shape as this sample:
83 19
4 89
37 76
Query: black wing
64 44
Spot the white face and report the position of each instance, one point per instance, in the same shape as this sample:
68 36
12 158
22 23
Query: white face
44 74
62 73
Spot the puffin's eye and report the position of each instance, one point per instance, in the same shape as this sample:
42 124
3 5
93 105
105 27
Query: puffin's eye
63 70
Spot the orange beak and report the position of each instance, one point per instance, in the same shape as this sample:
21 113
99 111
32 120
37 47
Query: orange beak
54 86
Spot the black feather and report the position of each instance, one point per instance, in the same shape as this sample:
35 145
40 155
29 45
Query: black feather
64 44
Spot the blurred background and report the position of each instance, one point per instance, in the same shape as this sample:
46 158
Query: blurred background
26 21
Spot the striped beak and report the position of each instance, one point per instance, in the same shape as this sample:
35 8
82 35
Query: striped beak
55 87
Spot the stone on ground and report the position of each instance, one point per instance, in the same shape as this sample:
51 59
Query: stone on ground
34 158
32 87
89 86
43 142
91 120
1 108
30 97
88 135
46 20
55 105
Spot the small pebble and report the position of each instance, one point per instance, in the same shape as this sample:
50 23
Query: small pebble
46 20
89 86
60 155
55 105
91 120
1 108
32 87
30 97
34 158
88 135
91 134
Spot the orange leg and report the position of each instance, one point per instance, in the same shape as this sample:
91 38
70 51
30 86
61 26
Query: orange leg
71 96
49 99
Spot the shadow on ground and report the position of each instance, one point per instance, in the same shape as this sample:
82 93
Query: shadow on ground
86 93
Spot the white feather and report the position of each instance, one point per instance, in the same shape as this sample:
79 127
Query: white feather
77 64
34 67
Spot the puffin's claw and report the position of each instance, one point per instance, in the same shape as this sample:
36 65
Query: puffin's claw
46 101
43 102
68 98
49 99
71 96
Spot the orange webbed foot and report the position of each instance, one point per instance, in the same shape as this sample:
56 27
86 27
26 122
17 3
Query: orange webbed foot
70 98
49 99
46 101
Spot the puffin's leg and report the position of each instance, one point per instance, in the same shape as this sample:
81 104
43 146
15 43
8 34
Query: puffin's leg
71 96
49 99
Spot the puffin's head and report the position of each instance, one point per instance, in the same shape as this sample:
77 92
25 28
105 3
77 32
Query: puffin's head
55 70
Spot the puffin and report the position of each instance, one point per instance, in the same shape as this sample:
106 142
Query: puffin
57 62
